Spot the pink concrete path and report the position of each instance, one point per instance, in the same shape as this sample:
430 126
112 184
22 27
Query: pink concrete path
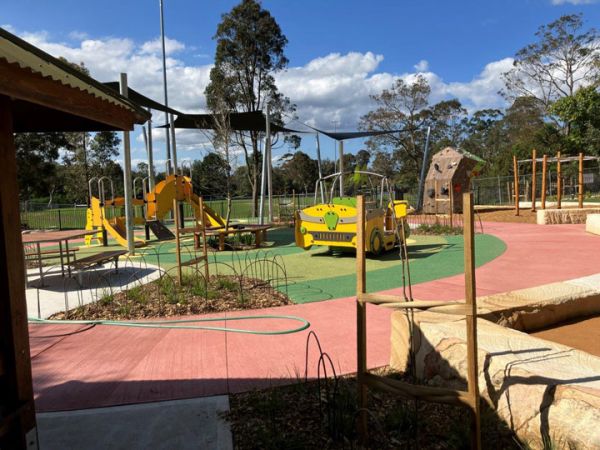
105 366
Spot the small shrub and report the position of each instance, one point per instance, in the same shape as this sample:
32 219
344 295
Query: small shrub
227 284
135 294
438 229
106 299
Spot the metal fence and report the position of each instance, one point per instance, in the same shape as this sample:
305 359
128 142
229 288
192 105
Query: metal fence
69 216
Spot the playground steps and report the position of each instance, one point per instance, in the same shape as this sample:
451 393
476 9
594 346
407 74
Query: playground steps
161 232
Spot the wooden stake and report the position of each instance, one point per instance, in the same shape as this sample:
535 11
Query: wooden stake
533 180
516 184
203 233
558 182
471 319
451 193
177 242
544 176
361 320
580 180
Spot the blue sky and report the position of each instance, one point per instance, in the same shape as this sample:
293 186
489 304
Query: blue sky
339 51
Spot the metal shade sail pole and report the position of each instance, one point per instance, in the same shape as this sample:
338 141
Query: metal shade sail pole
423 167
150 155
173 142
341 150
269 162
263 186
127 176
319 168
164 64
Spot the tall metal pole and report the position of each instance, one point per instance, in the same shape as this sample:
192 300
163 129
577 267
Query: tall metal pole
127 177
164 64
319 168
150 155
423 169
341 156
172 128
269 161
263 187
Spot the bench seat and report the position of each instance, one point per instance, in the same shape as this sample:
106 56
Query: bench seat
97 259
49 254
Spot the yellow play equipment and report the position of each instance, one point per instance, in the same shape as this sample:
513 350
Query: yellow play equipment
104 214
332 222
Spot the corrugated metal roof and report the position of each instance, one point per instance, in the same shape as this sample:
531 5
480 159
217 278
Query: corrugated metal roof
17 51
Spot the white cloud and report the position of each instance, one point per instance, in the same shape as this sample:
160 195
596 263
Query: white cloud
78 35
155 46
335 88
422 66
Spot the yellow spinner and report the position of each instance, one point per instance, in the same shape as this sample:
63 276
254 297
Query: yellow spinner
332 222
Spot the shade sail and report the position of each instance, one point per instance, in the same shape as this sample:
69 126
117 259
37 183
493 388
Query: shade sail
343 135
246 121
140 99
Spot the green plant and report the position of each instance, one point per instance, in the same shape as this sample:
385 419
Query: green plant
169 289
401 419
136 294
438 229
106 299
227 284
247 239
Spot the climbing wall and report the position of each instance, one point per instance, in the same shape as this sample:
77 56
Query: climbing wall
448 177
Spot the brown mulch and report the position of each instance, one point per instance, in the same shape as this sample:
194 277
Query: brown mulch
297 417
507 215
166 298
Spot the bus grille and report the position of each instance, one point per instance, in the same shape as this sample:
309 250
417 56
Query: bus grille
333 236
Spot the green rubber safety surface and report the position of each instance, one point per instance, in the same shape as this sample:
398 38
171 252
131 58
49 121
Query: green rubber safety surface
320 274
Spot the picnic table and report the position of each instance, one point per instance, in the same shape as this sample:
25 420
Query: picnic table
259 231
35 239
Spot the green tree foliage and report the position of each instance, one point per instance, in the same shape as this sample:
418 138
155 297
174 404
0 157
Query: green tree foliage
405 107
209 175
250 50
36 168
299 172
90 157
582 112
563 58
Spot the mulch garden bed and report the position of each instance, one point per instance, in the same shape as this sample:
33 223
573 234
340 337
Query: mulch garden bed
166 297
302 416
508 215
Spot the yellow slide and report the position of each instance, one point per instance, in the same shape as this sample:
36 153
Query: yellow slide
212 218
117 229
158 204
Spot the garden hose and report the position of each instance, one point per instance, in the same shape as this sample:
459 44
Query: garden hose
172 324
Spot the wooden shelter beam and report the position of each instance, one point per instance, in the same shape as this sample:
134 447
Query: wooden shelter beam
16 381
23 84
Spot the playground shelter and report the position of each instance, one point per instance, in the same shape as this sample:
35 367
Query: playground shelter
37 93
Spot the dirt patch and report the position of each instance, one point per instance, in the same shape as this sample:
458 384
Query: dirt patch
309 415
167 297
507 215
582 334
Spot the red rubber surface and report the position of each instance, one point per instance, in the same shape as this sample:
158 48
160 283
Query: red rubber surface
112 365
